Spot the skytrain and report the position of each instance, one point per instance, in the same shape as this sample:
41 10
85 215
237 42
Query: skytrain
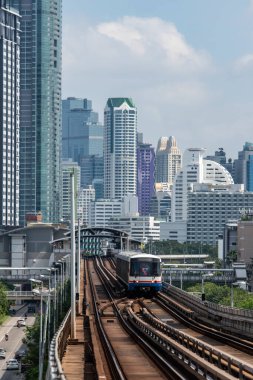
139 271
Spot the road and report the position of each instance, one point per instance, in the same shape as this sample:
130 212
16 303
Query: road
14 342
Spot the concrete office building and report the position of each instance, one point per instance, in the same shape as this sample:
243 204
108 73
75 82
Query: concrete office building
102 210
142 228
245 237
69 167
9 114
168 160
40 107
82 133
160 205
120 140
145 176
244 167
211 206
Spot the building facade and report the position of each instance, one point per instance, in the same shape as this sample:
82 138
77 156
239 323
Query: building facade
142 228
92 173
168 160
82 133
195 170
244 167
120 139
9 114
40 107
101 211
210 207
145 176
69 167
85 197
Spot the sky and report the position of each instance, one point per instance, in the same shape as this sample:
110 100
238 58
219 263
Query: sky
187 65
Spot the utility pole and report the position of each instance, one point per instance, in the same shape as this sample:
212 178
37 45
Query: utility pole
73 259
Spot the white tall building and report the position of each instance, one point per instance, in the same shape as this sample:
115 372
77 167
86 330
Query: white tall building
195 170
168 159
69 167
85 197
120 139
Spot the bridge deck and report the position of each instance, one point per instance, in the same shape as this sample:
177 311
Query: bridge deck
73 359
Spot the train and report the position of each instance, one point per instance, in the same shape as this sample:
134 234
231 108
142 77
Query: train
139 271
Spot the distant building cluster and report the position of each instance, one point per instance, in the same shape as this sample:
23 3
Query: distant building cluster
121 180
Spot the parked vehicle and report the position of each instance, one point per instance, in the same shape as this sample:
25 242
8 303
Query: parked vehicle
21 322
20 354
2 353
12 364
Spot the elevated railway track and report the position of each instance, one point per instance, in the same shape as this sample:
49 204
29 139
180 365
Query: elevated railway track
158 338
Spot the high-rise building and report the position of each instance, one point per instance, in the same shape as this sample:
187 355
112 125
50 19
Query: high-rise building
40 107
168 160
92 173
85 197
69 167
9 114
145 176
120 138
82 134
244 167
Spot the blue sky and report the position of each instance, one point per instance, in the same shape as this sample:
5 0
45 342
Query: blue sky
187 64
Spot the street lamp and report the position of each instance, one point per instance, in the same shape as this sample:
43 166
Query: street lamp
41 312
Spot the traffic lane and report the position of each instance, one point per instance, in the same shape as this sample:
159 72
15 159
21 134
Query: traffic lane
14 343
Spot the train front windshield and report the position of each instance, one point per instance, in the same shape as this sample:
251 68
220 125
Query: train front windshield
147 268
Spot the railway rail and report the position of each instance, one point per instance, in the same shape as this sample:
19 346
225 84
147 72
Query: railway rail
146 338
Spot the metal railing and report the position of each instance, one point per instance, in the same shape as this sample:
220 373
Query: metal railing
57 348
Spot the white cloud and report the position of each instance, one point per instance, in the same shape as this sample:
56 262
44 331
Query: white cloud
244 62
174 85
251 5
155 37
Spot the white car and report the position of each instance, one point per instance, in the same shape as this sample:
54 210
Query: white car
21 322
2 353
12 364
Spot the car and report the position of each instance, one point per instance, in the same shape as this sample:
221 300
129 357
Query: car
12 364
21 322
20 354
2 353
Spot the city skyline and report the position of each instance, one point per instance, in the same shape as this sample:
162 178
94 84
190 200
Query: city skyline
187 67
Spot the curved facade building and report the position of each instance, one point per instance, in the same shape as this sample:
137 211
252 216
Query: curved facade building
195 170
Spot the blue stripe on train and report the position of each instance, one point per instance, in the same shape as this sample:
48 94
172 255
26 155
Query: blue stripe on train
153 285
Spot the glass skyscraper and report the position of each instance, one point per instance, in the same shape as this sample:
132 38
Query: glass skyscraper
9 113
82 134
40 107
244 167
120 139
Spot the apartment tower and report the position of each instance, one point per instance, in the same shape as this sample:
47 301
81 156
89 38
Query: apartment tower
168 160
9 114
40 108
120 139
